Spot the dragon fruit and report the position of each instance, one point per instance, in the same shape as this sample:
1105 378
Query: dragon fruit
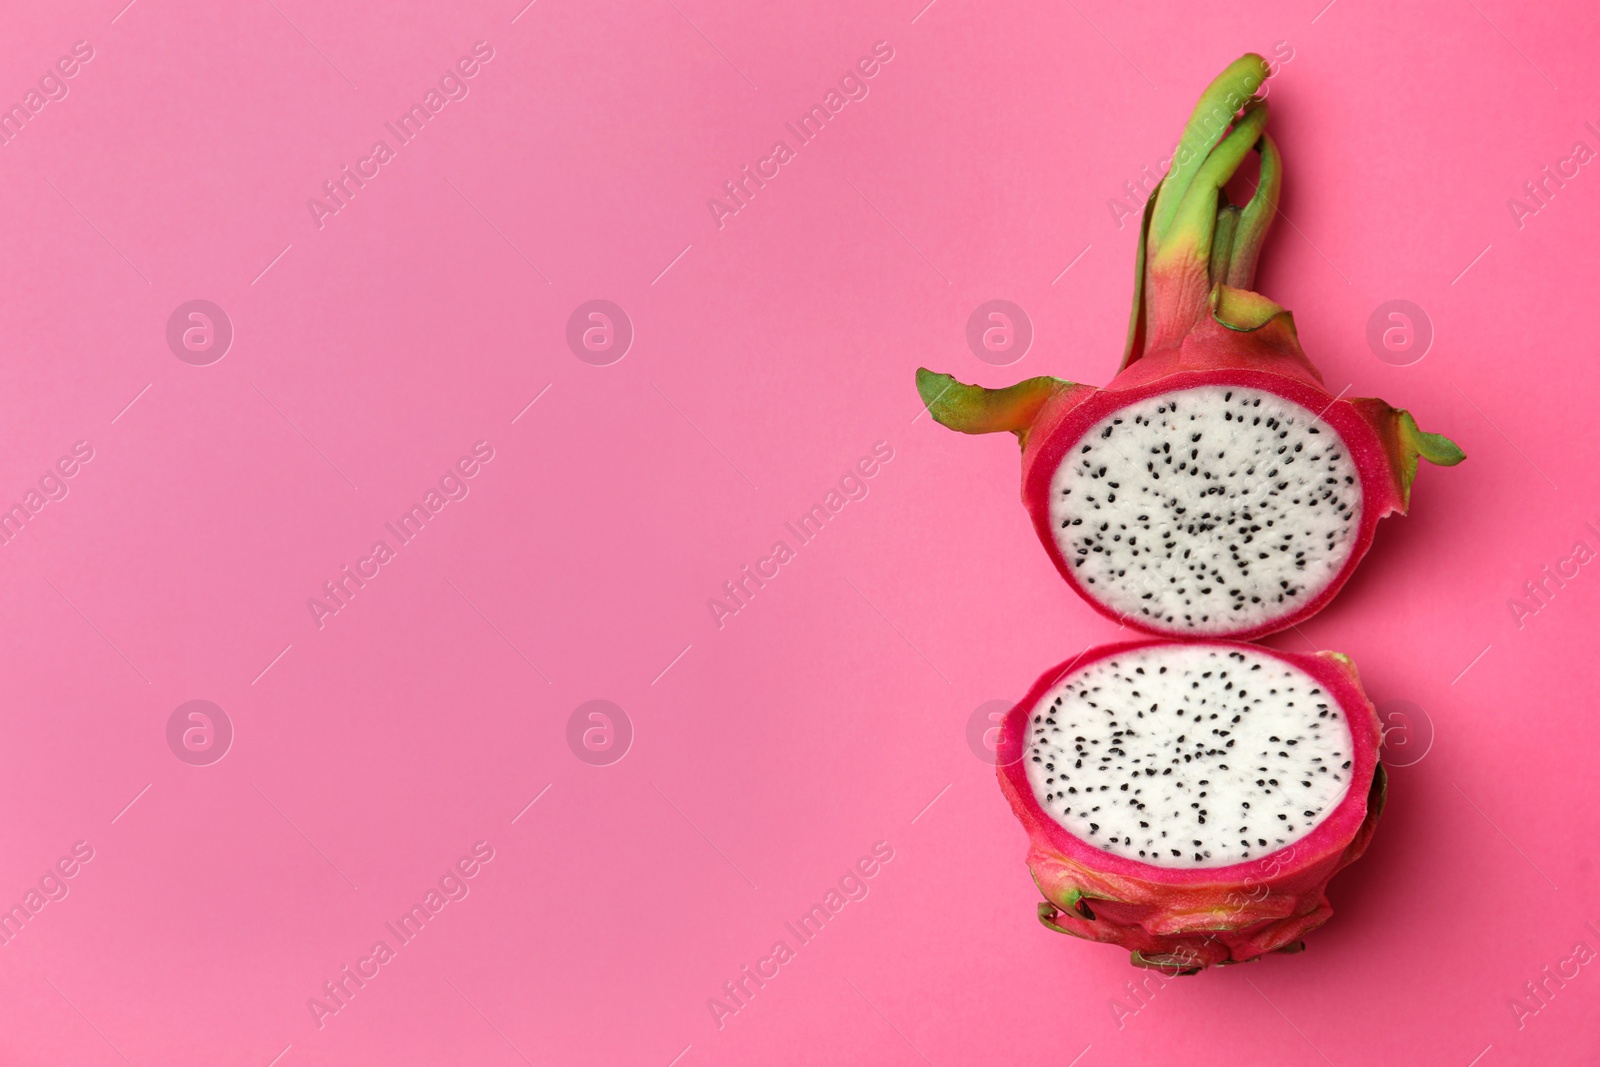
1190 800
1214 488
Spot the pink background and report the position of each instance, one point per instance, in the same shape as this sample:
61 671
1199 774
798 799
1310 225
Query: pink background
830 713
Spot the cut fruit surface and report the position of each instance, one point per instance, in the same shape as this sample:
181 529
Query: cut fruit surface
1209 510
1191 800
1189 755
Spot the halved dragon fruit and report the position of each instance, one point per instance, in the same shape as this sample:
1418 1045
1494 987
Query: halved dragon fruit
1214 487
1190 800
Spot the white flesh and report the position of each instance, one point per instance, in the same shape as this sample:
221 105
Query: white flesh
1189 755
1207 511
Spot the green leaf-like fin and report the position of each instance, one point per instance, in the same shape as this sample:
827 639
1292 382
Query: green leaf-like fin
1436 448
1047 917
974 409
1256 219
1174 966
1136 324
1414 442
1222 239
1243 309
1406 443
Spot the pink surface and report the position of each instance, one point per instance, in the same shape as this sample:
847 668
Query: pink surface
373 749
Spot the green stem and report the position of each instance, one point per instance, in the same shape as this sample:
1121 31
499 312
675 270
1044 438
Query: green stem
1256 218
1193 224
1222 241
1223 98
1137 327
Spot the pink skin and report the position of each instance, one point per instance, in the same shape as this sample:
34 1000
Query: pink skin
1188 918
1211 355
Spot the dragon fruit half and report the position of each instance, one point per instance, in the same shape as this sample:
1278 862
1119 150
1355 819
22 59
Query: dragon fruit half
1214 488
1190 800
